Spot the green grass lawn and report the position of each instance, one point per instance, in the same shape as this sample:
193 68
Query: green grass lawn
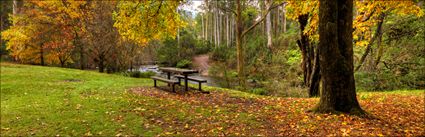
46 101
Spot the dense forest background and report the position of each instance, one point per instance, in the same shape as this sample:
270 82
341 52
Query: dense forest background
273 52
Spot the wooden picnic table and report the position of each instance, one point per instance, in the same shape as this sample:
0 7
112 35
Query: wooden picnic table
184 72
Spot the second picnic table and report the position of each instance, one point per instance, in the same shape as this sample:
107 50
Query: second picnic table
184 72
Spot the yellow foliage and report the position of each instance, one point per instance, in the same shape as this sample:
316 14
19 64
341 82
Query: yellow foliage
368 12
147 20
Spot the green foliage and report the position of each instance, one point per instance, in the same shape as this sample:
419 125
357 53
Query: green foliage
170 53
223 53
138 74
184 63
224 75
294 56
402 63
259 91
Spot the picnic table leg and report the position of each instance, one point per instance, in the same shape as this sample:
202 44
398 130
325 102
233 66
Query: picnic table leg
169 77
185 83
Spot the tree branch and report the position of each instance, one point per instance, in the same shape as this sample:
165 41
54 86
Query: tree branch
270 7
227 9
157 10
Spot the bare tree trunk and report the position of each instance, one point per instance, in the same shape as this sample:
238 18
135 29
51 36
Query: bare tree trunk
378 33
315 76
284 19
80 49
101 64
17 5
227 30
239 47
232 30
268 28
379 42
306 50
41 55
218 26
336 58
202 27
215 25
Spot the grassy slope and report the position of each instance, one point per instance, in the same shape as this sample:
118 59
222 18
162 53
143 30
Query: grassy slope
49 101
42 101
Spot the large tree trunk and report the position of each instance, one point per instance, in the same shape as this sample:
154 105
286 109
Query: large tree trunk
336 57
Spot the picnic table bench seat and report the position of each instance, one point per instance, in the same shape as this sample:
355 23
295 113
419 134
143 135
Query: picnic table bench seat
179 77
169 81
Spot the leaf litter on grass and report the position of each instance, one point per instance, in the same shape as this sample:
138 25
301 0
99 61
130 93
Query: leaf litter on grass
221 114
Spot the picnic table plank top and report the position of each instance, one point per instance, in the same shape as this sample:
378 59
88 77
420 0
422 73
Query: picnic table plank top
178 70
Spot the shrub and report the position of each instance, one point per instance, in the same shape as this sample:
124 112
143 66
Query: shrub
222 53
135 74
184 63
138 74
147 74
259 91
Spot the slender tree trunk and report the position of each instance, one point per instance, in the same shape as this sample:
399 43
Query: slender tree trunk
80 48
62 62
306 50
101 64
17 5
275 21
268 28
41 55
206 27
379 42
215 25
227 31
202 27
239 47
336 57
218 26
284 19
315 76
378 33
178 38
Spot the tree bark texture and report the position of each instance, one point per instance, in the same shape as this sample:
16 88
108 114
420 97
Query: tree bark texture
268 27
315 77
307 51
336 57
239 47
379 42
42 55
